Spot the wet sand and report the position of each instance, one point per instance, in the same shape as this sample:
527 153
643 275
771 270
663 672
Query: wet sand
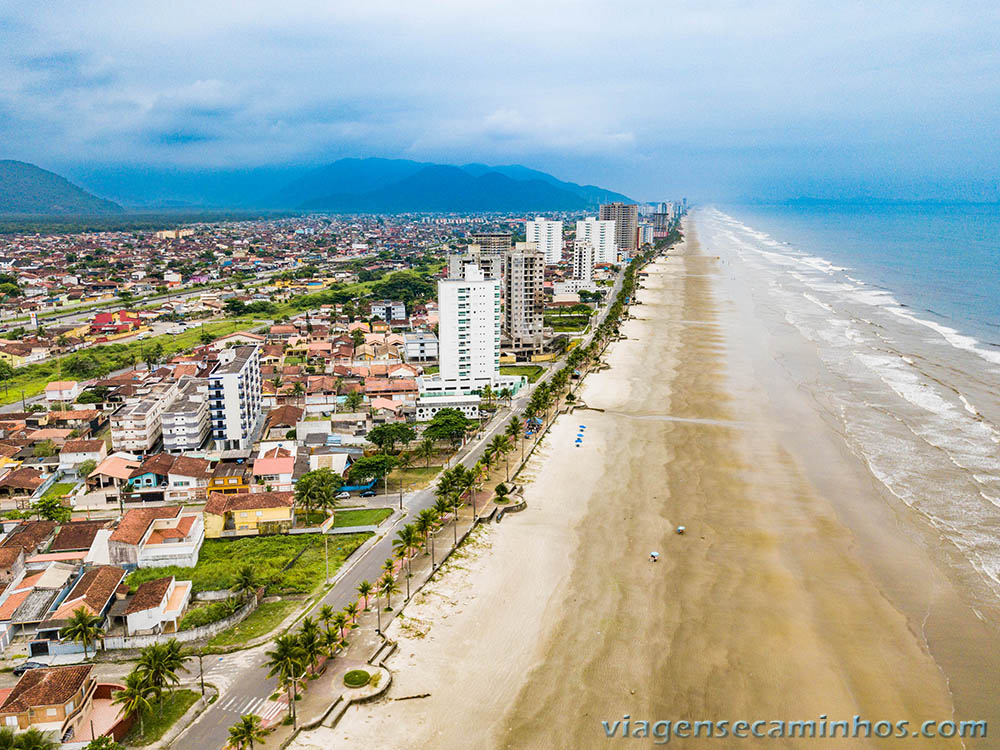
796 592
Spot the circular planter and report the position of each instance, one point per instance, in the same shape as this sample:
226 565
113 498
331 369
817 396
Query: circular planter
356 678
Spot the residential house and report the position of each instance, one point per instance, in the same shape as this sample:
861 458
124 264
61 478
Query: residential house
157 606
114 472
187 479
148 482
246 514
156 538
11 564
76 452
94 592
56 699
273 469
20 484
62 391
228 478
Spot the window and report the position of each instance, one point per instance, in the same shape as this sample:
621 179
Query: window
260 513
243 514
12 721
69 707
52 711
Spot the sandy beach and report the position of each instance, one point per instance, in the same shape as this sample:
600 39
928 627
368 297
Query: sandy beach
799 590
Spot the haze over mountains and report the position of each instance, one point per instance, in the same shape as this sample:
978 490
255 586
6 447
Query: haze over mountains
371 185
29 190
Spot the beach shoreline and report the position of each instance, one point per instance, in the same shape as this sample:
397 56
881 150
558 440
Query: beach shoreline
794 594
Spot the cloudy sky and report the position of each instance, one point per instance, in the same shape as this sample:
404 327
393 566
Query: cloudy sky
716 100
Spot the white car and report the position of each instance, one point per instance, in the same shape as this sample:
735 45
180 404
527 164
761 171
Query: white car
343 495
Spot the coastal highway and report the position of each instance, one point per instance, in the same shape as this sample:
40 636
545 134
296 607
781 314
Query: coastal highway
242 677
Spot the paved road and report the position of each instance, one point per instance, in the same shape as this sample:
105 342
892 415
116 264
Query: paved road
242 677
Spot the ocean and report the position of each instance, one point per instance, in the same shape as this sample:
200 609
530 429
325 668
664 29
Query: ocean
902 306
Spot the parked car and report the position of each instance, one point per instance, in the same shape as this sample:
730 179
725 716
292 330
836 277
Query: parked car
369 493
343 495
20 669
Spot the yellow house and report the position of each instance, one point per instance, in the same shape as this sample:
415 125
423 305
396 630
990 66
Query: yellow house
249 514
228 478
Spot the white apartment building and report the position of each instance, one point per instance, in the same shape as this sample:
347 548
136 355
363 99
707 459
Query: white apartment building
626 218
186 421
388 310
600 234
137 427
469 327
420 346
583 260
468 346
234 397
548 236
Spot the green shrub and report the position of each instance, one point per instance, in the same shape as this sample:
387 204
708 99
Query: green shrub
356 678
206 614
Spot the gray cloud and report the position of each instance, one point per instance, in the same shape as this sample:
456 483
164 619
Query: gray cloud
715 99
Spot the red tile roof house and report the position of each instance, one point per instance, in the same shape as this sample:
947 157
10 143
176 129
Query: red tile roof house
187 479
75 452
157 537
64 700
62 390
19 485
156 607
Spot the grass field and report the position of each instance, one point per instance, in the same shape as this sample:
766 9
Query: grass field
531 372
364 517
260 622
567 323
157 722
58 490
220 560
32 379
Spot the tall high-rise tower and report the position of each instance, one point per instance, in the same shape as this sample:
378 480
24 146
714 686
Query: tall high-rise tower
524 297
600 234
626 219
548 236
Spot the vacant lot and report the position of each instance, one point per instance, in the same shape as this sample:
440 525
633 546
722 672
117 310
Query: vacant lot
221 559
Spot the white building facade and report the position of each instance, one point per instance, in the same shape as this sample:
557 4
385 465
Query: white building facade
234 397
548 236
601 235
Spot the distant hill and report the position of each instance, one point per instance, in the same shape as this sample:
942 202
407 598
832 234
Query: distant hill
27 190
398 185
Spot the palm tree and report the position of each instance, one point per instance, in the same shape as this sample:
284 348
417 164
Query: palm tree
245 582
407 541
134 697
35 739
488 393
286 661
325 614
309 642
424 522
506 394
331 640
299 390
425 450
389 566
340 622
351 610
365 589
515 431
83 627
276 382
245 732
158 666
388 587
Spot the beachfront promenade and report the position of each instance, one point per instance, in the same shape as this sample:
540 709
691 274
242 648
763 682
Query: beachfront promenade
242 677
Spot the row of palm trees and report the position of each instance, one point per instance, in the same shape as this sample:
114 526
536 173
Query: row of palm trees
296 656
155 672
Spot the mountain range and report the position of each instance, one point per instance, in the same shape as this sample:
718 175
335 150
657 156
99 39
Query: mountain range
29 190
371 185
